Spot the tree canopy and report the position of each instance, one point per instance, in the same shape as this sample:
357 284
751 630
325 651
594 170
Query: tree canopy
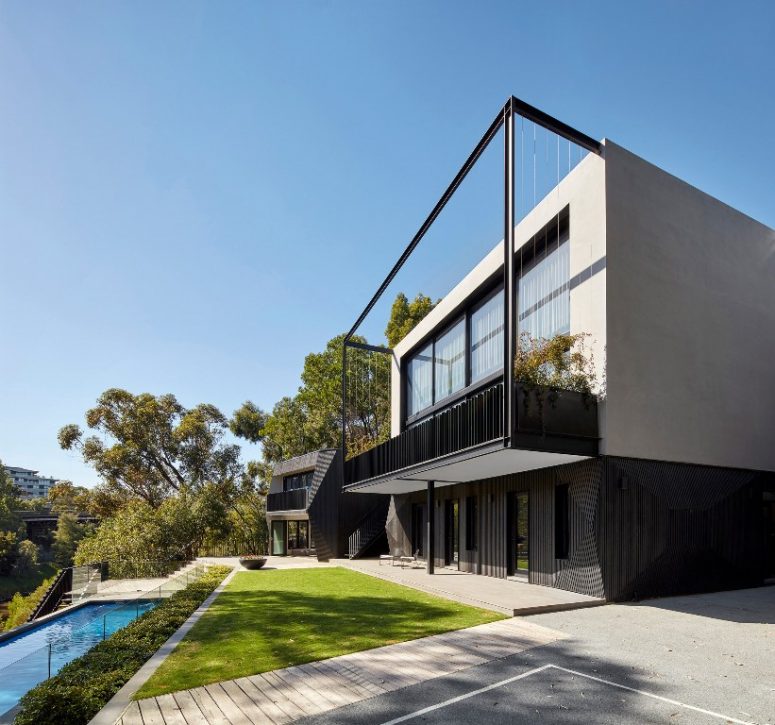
151 446
404 316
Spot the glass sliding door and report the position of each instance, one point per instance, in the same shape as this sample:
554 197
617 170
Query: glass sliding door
298 535
278 538
518 532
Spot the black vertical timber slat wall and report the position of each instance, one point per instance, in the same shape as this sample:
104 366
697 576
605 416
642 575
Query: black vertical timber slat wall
637 528
333 515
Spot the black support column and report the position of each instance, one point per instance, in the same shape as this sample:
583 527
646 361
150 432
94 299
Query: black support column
430 528
509 301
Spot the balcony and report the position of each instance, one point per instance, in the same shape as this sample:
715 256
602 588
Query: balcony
295 500
465 440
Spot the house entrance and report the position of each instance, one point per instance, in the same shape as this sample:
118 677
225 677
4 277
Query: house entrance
518 532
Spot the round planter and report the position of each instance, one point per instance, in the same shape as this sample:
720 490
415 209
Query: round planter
252 563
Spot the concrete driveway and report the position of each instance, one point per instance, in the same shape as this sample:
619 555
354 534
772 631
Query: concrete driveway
697 659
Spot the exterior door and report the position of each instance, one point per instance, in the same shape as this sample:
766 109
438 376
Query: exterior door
518 532
452 533
278 538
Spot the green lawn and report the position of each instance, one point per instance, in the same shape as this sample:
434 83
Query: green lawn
265 620
25 583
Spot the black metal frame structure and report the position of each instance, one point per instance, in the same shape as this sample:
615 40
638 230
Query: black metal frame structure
504 119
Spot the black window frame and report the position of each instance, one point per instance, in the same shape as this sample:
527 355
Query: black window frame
534 250
306 475
488 289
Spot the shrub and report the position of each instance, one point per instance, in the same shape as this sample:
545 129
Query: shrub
82 687
8 551
27 557
561 362
21 607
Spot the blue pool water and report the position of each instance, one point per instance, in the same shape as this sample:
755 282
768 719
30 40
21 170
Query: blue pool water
24 659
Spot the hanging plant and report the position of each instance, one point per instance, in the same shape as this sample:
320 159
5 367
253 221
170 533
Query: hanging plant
546 366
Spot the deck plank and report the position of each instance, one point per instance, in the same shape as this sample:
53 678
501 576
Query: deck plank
226 705
150 711
132 715
251 710
170 711
288 706
207 705
272 710
188 707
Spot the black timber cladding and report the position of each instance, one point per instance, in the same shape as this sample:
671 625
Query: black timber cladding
637 528
333 515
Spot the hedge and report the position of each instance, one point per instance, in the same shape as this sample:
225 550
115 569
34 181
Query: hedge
21 607
82 687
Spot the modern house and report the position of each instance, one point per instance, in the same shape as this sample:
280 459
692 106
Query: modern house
307 513
662 481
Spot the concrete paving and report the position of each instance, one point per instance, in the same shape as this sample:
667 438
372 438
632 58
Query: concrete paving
506 596
273 562
699 659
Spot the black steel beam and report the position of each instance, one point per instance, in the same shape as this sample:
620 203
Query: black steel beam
445 197
531 113
370 348
430 557
509 281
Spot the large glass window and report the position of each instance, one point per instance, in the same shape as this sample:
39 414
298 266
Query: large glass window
298 535
487 338
298 480
544 295
450 360
419 377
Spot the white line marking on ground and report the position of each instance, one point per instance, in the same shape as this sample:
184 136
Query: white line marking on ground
524 675
453 700
655 697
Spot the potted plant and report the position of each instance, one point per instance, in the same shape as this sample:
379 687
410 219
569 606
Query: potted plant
252 561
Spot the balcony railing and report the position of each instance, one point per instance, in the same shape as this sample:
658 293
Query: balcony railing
295 500
470 422
555 421
555 413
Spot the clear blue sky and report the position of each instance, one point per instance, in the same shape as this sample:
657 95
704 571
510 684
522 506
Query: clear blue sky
195 195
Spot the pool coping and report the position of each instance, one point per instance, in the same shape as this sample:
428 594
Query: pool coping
114 708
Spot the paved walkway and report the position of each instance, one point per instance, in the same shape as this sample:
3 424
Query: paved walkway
273 562
510 597
289 694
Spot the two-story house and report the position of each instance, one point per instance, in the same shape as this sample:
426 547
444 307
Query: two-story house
662 481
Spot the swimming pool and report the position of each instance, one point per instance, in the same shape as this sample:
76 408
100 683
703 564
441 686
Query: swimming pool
25 660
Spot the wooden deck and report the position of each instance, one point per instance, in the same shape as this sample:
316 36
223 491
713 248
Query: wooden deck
289 694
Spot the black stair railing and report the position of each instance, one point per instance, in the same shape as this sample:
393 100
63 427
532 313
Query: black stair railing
366 532
54 595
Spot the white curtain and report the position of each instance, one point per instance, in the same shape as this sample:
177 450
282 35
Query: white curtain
450 361
420 381
487 338
544 295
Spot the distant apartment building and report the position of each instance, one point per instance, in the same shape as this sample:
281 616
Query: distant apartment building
30 483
